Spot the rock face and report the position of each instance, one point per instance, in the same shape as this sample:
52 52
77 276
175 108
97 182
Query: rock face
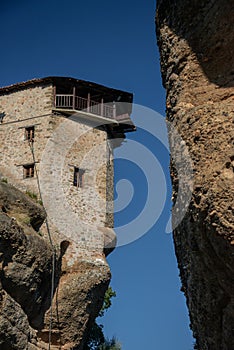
196 43
26 261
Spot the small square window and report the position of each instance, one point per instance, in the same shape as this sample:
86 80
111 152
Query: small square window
28 170
30 133
2 115
78 178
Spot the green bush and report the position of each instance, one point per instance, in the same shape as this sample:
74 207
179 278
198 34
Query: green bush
107 301
32 195
27 221
110 344
96 339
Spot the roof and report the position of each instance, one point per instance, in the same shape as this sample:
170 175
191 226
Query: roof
66 84
118 95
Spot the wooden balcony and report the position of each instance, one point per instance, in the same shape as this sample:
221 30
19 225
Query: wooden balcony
86 105
94 111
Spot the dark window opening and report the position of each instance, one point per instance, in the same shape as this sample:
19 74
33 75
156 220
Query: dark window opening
30 133
28 171
2 115
78 178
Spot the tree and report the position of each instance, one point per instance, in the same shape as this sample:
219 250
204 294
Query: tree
110 344
96 339
107 301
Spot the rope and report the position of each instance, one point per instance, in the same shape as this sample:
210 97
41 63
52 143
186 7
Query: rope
30 142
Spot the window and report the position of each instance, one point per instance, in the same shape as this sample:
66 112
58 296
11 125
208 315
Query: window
29 133
28 170
2 115
78 178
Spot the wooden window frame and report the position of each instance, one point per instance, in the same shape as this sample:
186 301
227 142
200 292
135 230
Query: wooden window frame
29 134
28 171
78 177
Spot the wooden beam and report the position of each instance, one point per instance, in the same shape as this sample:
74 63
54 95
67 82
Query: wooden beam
74 98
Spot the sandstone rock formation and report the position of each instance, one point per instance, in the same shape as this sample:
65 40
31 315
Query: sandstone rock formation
26 261
196 43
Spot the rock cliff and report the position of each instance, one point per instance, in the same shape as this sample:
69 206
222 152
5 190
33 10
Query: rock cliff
26 265
196 43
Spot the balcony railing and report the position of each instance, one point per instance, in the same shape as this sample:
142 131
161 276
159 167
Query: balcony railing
87 105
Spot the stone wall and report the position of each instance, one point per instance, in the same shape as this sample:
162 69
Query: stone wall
89 150
22 109
196 44
77 217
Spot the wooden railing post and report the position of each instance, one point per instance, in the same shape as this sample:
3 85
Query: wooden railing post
74 98
114 110
88 103
102 107
54 92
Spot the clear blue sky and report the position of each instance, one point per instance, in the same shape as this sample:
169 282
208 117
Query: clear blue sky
111 43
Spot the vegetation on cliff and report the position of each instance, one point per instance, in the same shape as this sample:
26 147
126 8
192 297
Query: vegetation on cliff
96 339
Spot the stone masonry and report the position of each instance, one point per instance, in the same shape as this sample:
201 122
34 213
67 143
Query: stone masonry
63 159
33 106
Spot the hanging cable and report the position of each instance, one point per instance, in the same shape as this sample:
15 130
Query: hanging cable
30 142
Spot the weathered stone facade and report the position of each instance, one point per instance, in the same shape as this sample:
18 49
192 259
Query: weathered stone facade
63 157
33 106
